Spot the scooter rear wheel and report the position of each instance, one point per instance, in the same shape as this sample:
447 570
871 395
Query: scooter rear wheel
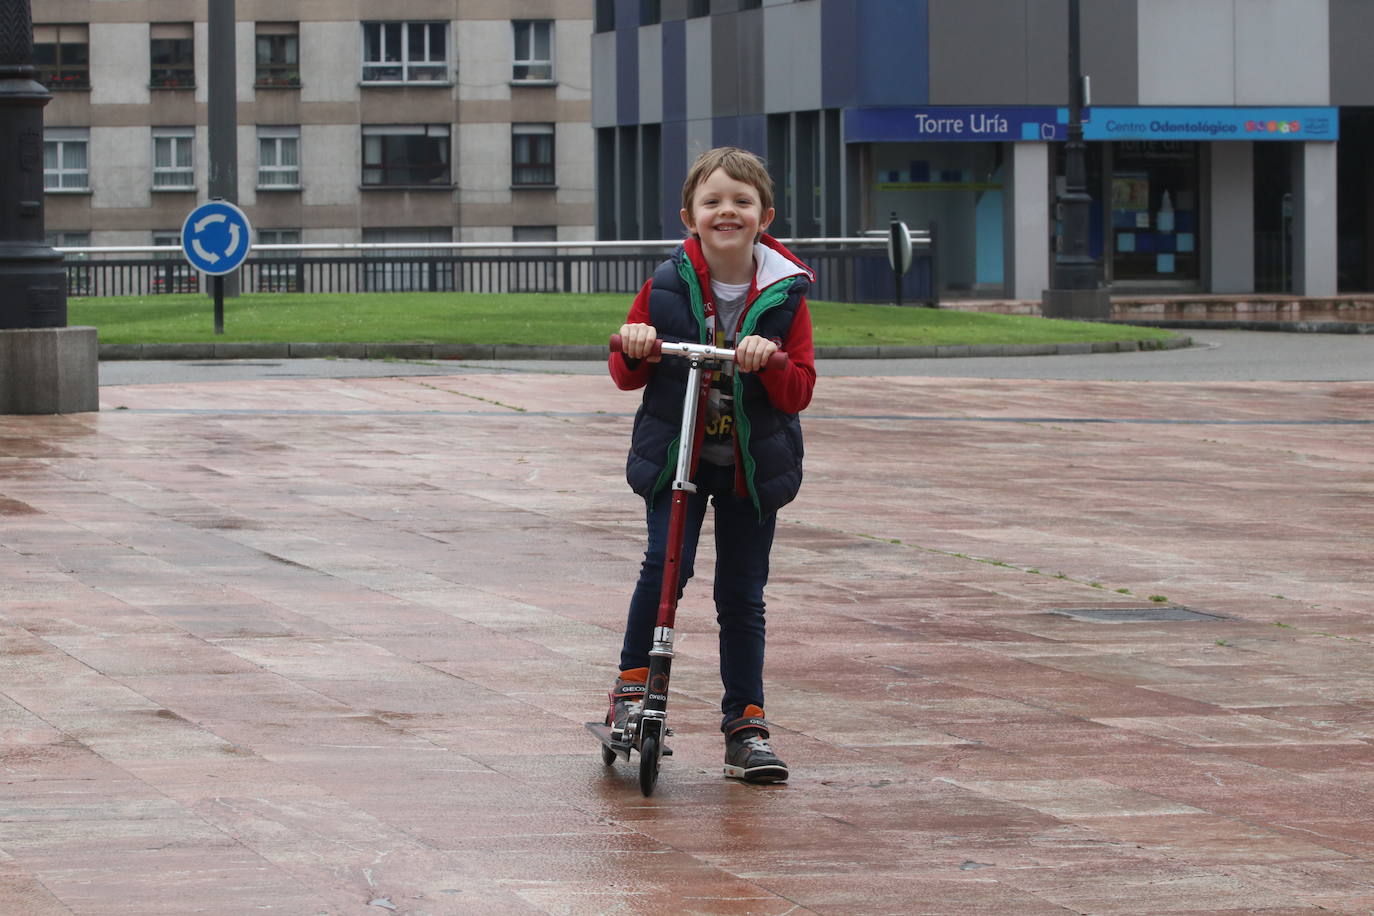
648 765
607 755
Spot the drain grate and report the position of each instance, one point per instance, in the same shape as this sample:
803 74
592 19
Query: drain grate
1135 614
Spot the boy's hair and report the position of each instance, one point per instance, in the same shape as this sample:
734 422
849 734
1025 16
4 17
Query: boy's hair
739 164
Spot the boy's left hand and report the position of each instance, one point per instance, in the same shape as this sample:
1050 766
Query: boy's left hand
753 352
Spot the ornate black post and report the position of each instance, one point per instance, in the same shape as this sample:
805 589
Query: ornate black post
1076 293
45 367
33 289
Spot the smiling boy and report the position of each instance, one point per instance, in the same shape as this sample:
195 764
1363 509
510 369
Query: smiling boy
732 285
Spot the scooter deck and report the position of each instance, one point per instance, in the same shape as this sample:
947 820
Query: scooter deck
621 748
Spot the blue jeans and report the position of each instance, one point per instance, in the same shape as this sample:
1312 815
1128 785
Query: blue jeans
743 544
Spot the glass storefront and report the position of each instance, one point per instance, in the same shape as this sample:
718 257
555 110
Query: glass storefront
1145 229
1154 212
957 186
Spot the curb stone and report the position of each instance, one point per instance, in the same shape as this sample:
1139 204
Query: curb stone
1289 327
424 351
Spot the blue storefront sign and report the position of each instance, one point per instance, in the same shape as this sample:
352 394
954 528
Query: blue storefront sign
1039 124
947 125
1292 124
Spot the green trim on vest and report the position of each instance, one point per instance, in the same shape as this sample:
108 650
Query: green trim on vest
769 298
688 273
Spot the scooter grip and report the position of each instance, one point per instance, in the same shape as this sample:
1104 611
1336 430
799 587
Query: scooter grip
618 345
777 361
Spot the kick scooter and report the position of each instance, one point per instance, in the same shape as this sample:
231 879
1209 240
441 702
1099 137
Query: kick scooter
645 732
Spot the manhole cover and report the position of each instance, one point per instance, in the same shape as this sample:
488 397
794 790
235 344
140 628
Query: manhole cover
1135 614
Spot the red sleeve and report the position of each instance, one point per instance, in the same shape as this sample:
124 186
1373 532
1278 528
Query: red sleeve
790 388
629 374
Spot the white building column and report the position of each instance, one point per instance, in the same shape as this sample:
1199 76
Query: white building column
1232 241
1027 228
1314 220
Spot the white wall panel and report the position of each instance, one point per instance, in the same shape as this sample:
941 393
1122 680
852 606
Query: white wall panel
120 67
121 167
651 74
332 75
483 163
334 154
572 58
1187 52
603 79
485 50
1283 52
699 68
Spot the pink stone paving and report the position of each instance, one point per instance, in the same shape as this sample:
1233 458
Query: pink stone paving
327 647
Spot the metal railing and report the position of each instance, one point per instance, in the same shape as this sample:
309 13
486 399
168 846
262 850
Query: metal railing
847 269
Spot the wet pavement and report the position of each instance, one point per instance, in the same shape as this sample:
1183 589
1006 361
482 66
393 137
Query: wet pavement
326 645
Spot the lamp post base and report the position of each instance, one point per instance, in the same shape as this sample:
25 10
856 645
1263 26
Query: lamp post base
1080 304
49 370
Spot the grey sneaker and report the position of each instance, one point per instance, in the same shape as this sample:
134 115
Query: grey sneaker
627 699
748 755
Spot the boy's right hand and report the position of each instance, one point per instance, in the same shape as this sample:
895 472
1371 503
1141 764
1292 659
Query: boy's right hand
637 342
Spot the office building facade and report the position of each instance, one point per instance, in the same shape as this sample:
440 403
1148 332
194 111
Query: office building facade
1229 143
437 120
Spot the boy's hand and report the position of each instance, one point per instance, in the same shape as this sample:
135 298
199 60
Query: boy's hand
637 342
752 353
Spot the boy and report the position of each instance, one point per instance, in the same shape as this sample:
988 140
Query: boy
731 285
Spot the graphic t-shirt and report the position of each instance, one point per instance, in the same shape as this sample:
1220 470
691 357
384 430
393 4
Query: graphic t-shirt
719 445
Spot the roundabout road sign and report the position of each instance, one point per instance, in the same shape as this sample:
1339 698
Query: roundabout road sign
216 237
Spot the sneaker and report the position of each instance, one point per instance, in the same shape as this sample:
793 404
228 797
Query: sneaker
748 755
627 699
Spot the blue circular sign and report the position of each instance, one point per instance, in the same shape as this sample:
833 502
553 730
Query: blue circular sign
216 237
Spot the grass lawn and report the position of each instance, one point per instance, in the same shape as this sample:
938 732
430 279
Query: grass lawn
541 319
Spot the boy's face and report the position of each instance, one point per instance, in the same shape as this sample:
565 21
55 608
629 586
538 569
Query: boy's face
726 215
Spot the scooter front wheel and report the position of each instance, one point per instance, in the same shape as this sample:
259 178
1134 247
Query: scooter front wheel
648 765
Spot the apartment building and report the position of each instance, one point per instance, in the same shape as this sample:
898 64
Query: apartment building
425 120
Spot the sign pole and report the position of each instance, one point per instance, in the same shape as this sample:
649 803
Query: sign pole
218 283
216 238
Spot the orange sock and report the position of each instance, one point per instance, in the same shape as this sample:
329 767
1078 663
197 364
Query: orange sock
635 676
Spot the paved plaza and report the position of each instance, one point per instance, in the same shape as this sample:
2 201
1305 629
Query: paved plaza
326 645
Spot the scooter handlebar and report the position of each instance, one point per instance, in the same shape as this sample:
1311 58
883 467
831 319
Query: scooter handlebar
704 351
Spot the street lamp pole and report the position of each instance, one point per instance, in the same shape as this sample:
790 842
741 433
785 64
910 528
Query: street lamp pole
46 367
1076 293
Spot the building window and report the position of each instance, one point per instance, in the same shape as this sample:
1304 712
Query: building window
279 237
533 50
174 159
405 52
173 56
279 157
278 54
67 238
531 161
406 155
401 269
66 166
527 272
278 277
175 275
62 54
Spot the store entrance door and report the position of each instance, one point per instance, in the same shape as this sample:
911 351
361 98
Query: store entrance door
1155 200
